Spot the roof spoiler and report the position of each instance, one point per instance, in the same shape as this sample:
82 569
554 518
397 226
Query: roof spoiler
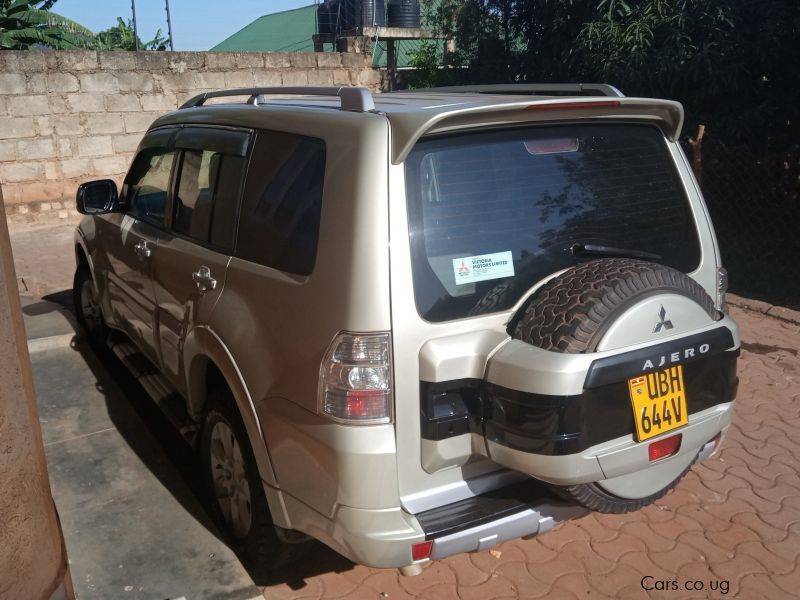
408 128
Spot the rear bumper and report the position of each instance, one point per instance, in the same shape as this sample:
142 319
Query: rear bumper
384 538
618 457
589 437
551 425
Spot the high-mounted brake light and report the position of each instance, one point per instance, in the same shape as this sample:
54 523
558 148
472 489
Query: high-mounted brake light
664 448
355 381
559 105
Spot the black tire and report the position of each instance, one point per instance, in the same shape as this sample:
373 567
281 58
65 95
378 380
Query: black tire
89 318
259 548
595 498
572 313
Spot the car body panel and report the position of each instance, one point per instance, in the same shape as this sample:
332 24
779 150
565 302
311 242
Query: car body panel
131 295
181 302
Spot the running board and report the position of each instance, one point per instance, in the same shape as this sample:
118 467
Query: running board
524 509
156 385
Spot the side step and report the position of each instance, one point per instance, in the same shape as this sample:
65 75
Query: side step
474 524
163 394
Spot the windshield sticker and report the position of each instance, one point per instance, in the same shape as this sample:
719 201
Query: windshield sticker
482 267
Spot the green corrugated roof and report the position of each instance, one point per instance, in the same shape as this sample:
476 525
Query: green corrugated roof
405 50
286 31
291 31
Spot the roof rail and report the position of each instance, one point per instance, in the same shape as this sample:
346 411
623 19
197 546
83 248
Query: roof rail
356 99
551 89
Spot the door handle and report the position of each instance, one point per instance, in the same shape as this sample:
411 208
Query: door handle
142 251
203 279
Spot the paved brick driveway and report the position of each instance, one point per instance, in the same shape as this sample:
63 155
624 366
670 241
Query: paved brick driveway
734 519
734 522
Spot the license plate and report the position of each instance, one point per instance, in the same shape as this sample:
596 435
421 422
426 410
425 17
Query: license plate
659 402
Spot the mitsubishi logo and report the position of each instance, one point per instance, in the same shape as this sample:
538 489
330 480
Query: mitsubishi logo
663 323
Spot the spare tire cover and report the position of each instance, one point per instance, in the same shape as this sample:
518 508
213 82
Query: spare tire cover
595 307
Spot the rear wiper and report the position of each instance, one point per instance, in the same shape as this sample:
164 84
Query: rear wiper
577 249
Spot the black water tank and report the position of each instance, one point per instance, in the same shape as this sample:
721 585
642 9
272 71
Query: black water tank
403 13
373 13
356 14
326 16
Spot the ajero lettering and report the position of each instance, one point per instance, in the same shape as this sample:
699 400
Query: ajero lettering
675 357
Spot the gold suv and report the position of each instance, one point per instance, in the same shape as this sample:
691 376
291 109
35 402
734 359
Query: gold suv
421 323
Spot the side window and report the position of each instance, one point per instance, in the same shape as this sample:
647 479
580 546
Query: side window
279 223
147 184
208 191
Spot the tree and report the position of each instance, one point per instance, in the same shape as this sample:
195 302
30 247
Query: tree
25 23
732 63
122 37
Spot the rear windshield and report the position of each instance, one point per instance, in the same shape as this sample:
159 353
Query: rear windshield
493 213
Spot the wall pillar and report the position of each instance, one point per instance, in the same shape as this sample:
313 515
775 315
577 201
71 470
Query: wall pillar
33 561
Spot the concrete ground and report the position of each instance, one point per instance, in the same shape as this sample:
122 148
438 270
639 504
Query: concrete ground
128 496
123 481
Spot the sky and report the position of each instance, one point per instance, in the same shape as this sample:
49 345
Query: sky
196 24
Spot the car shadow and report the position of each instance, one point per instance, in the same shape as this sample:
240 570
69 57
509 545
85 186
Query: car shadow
37 309
123 396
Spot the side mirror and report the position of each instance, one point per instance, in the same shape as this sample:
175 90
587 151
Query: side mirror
97 197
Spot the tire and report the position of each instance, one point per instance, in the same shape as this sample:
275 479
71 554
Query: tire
253 539
572 313
87 307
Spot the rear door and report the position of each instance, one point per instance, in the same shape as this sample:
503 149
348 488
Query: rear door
487 216
193 254
131 251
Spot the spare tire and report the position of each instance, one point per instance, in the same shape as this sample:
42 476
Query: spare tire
572 313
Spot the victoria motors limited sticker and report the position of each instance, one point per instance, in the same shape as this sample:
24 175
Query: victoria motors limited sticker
483 266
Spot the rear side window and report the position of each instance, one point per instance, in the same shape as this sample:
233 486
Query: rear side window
147 184
207 196
279 221
491 214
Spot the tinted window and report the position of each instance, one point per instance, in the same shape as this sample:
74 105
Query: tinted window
491 214
208 192
279 223
147 184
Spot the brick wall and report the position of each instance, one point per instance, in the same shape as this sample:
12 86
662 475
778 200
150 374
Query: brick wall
67 117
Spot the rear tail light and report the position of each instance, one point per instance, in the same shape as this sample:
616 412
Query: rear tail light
722 288
355 379
664 448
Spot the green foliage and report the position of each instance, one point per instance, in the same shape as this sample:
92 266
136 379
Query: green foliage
25 24
426 64
732 63
122 37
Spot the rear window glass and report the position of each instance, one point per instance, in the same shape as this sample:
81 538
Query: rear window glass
493 213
